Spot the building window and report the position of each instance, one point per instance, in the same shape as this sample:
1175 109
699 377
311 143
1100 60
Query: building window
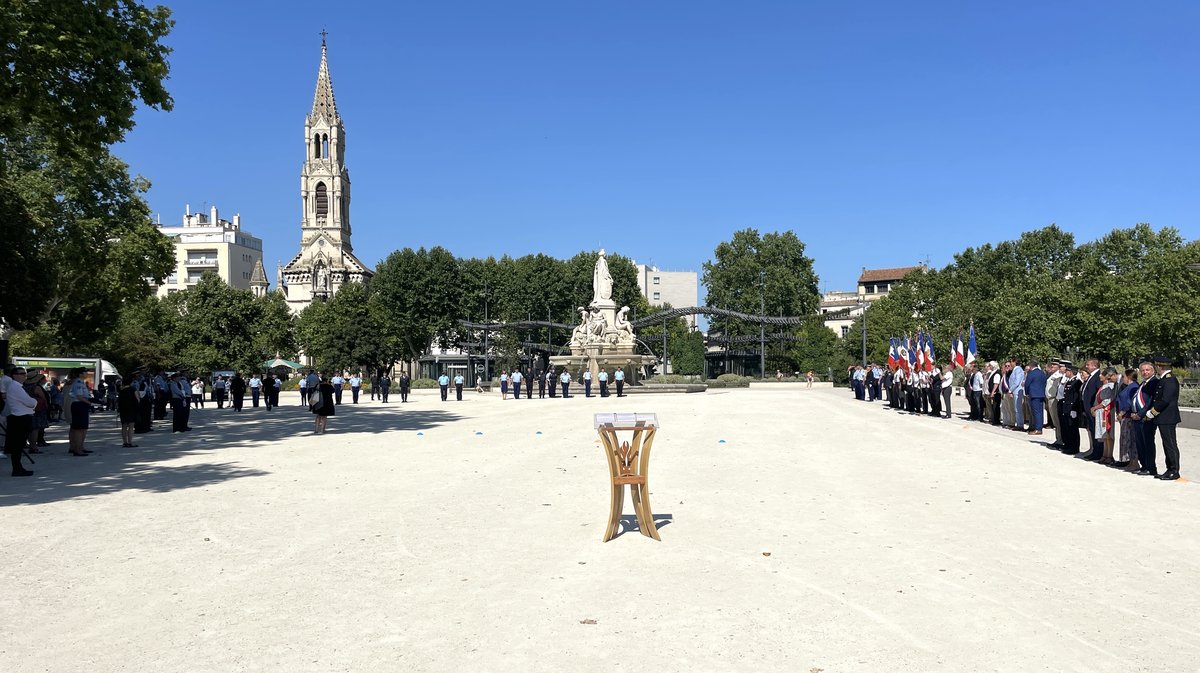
325 145
172 278
845 331
316 145
656 280
322 200
657 296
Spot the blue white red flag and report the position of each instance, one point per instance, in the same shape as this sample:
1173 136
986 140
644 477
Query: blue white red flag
971 346
929 356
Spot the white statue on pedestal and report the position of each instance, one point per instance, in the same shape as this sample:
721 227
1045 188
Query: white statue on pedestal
622 327
602 282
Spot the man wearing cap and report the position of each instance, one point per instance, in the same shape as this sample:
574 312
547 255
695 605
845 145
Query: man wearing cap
180 409
1070 409
162 395
1091 386
1164 413
1053 384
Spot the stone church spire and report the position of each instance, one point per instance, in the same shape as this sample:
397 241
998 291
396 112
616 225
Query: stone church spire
324 105
326 259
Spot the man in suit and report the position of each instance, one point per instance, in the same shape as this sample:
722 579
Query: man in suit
1164 414
1088 398
1035 388
528 384
1053 383
1144 429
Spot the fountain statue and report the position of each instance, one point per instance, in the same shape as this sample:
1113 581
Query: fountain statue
604 335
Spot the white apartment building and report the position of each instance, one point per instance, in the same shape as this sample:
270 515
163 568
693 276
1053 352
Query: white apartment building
678 288
208 243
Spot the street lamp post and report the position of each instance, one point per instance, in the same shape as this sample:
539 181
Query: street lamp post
863 302
762 326
486 359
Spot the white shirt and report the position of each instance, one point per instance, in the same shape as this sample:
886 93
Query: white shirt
255 382
516 377
603 376
564 377
355 381
197 389
337 380
20 403
587 375
948 378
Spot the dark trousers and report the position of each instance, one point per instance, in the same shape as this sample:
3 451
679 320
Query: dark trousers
354 393
1170 446
566 387
145 412
219 397
529 389
160 405
870 390
337 394
604 389
445 391
541 388
385 391
997 401
268 398
553 389
1037 413
237 401
1070 433
517 390
587 387
924 400
1146 448
179 415
254 393
935 402
18 430
458 391
620 388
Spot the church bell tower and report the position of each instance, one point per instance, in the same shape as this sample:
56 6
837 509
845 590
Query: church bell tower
326 259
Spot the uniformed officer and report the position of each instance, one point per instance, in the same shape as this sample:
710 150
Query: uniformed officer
619 377
516 383
564 379
161 396
458 384
587 383
552 382
603 378
338 381
541 379
385 387
1164 413
528 376
355 386
444 384
180 405
1070 410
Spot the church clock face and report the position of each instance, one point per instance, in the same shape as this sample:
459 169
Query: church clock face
321 242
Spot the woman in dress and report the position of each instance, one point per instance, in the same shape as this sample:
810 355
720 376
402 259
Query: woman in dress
127 410
322 405
504 385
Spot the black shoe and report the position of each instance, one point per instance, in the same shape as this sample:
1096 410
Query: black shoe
1069 452
1169 475
1091 456
1119 464
1146 473
22 473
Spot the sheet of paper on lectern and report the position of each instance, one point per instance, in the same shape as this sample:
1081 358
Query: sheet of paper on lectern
626 419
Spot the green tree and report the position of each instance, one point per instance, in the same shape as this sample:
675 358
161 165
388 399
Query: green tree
142 336
76 69
213 325
344 333
753 273
274 332
418 298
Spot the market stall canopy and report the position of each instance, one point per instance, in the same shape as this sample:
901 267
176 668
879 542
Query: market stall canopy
280 362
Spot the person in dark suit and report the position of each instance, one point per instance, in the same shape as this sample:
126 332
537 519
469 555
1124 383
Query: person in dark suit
1090 387
541 379
237 389
1070 412
1035 389
1144 429
1164 414
528 384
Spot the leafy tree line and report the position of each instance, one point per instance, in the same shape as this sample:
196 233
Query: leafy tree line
1126 295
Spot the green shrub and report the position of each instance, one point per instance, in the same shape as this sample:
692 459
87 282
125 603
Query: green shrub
734 381
425 383
1189 397
673 378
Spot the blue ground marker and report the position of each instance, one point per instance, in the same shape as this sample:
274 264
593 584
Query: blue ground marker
721 441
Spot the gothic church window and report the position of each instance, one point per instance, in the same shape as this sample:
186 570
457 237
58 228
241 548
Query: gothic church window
325 145
322 200
316 146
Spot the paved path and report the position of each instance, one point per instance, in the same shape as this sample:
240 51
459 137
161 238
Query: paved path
824 534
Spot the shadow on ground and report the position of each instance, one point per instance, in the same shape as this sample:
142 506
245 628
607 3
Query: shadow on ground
59 476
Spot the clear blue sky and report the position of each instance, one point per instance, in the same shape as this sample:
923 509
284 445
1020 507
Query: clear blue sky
883 133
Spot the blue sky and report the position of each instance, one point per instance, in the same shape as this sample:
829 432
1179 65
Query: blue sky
883 133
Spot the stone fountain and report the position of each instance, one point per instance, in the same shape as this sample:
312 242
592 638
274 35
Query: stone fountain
604 337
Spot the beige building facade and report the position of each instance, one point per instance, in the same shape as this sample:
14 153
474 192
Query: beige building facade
205 242
680 289
843 308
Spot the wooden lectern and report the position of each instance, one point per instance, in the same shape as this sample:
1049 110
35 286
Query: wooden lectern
628 464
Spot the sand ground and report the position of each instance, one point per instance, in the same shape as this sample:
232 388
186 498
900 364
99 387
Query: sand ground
823 534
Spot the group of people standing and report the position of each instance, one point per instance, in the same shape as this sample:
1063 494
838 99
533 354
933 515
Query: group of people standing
554 383
1123 412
